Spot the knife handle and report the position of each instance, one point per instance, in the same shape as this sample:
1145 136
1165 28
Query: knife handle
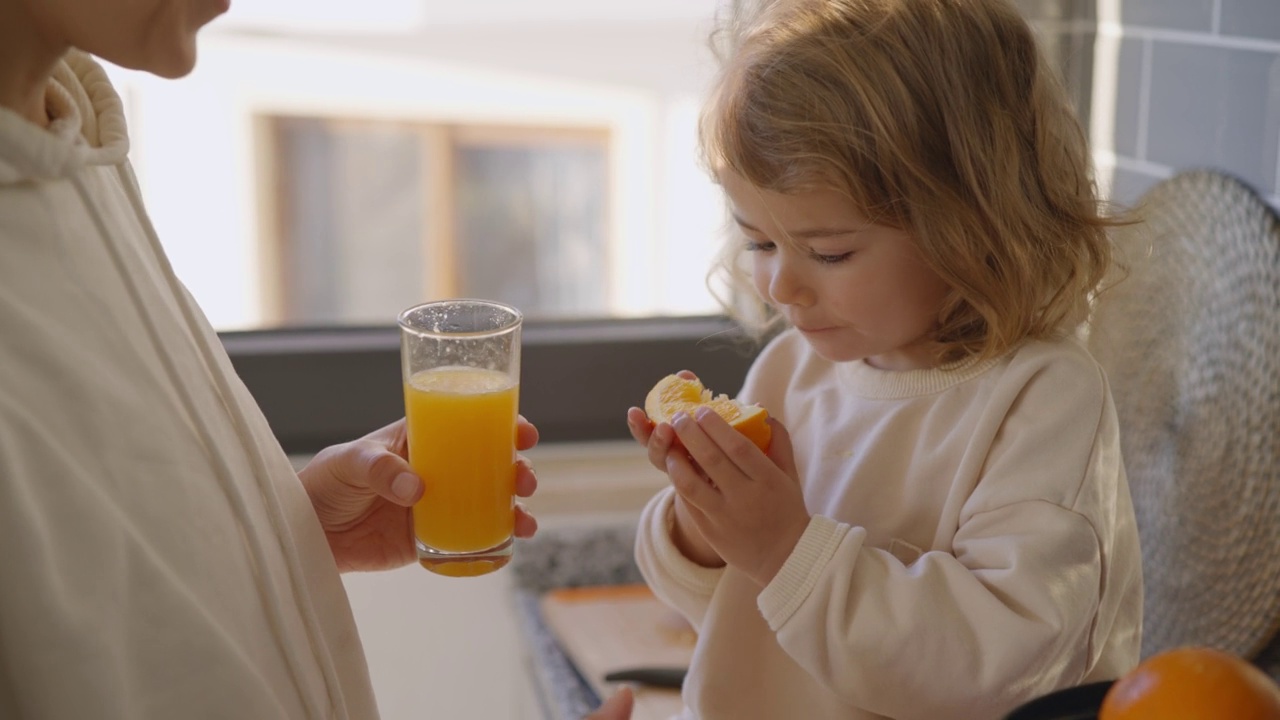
666 677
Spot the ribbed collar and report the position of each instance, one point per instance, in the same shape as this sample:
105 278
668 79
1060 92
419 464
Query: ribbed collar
869 382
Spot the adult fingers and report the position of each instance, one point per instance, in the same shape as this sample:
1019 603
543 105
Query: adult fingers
526 434
526 524
526 480
394 437
617 707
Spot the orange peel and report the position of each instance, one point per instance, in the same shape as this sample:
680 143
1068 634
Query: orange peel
1195 683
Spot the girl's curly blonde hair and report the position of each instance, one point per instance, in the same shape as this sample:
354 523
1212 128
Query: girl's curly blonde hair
939 117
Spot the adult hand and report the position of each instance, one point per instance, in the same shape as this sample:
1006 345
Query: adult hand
617 707
362 491
747 505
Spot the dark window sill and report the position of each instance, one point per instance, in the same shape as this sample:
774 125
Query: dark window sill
323 386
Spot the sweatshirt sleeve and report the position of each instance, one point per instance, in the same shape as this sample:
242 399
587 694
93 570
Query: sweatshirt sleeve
1005 618
1005 611
675 579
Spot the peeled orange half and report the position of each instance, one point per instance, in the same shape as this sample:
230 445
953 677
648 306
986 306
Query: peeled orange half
674 394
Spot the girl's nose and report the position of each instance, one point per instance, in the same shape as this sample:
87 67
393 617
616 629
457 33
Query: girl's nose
788 286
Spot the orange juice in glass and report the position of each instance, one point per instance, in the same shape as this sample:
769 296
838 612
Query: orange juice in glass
461 368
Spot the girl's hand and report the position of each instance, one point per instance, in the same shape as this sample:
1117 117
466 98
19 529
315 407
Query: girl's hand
362 491
747 505
659 441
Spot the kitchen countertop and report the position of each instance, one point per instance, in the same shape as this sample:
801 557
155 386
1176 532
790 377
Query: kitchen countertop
572 556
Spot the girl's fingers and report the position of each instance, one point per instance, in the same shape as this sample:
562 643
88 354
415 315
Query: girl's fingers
660 442
698 492
639 425
708 452
780 449
739 452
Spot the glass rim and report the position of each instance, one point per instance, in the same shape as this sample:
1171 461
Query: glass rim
515 320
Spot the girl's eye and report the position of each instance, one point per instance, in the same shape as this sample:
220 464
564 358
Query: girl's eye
832 259
753 246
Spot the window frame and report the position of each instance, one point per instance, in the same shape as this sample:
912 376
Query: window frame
322 386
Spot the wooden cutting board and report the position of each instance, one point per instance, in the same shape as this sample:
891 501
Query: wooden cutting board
615 627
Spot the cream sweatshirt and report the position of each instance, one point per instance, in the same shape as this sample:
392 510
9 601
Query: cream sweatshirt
972 546
160 557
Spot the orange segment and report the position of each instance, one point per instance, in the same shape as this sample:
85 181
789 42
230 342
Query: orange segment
674 394
1192 683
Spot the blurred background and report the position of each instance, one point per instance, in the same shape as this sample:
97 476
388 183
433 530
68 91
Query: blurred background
329 163
334 162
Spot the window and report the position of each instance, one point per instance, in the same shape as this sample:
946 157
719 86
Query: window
369 217
430 142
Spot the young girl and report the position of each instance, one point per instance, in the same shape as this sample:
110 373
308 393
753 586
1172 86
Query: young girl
941 527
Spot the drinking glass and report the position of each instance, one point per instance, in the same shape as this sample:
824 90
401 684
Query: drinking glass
460 361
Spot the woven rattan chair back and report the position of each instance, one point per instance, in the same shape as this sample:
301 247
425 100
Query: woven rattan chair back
1190 339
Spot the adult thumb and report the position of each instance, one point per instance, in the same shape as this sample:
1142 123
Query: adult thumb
383 471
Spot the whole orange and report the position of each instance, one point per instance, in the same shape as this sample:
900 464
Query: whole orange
1192 683
673 394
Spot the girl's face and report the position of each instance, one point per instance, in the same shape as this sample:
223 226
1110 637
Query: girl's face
158 36
855 290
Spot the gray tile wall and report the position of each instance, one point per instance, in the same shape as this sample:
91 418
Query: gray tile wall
1197 85
1190 15
1250 18
1067 30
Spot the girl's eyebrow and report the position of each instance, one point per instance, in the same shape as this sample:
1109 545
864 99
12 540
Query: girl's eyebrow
805 234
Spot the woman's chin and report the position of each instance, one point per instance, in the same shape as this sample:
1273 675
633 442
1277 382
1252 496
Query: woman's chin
176 63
